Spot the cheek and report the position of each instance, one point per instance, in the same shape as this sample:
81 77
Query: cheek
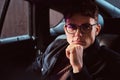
69 38
92 35
90 39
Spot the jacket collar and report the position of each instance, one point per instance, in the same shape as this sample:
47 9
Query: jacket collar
94 48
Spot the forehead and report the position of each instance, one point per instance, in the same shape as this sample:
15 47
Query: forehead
79 19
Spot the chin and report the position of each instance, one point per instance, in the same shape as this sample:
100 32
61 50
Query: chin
84 47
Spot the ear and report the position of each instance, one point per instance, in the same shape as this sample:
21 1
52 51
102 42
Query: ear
98 29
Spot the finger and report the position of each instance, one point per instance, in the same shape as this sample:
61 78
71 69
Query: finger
67 53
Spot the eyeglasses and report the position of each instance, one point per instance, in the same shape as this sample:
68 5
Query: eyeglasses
84 28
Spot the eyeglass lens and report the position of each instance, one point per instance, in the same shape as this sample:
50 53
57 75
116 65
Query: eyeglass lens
84 28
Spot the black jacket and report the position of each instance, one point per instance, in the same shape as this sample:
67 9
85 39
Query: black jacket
100 63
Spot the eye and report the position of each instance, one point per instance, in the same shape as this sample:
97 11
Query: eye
86 26
72 26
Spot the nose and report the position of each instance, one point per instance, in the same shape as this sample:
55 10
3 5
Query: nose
78 33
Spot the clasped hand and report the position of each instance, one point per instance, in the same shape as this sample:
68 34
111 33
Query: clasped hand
74 53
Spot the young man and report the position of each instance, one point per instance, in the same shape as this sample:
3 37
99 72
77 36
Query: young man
79 57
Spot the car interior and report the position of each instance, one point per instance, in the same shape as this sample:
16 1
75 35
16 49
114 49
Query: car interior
109 21
19 52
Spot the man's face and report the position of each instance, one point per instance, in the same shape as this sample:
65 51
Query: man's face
79 36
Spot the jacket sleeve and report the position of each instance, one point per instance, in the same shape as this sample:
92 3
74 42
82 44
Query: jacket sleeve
38 63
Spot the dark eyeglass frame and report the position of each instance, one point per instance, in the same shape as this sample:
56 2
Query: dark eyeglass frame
84 28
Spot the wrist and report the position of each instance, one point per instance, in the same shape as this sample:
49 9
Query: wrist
76 69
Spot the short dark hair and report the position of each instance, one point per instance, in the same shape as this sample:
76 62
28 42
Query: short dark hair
84 8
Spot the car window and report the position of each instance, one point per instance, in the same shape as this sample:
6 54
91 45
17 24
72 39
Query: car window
55 17
1 5
16 21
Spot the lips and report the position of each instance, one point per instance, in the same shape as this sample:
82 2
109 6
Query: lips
79 42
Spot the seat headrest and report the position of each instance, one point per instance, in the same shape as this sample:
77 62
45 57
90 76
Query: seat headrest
100 20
